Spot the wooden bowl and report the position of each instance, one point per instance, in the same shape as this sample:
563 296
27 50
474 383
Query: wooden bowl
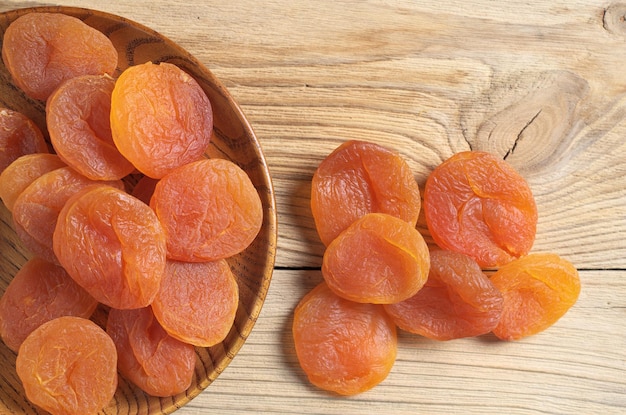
233 139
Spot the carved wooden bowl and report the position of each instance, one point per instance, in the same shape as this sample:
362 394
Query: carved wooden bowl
233 139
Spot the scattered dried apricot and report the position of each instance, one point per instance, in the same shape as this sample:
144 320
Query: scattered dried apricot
538 290
68 366
358 178
343 346
19 136
156 362
41 50
197 301
457 301
78 120
477 204
160 118
113 245
378 259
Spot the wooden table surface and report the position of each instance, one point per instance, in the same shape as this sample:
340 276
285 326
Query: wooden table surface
540 83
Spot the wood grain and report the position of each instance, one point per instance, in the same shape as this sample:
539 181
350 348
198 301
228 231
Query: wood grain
539 83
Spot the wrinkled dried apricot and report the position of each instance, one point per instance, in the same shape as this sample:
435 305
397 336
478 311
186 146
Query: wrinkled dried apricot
477 204
343 346
39 292
19 136
457 301
538 290
68 367
113 245
160 118
78 120
358 178
197 301
210 210
37 208
378 259
22 172
156 362
41 50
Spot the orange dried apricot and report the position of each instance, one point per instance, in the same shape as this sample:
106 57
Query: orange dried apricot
156 362
197 301
160 118
78 120
113 245
39 292
538 290
457 301
477 204
358 178
41 50
19 136
37 208
210 210
343 346
68 366
22 172
378 259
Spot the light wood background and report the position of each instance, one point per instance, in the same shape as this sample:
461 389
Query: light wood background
541 83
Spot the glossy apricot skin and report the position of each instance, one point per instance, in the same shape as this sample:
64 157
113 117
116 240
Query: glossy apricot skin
160 118
154 361
113 245
360 177
68 367
197 301
37 208
210 210
538 290
378 259
457 301
19 136
343 346
477 204
78 121
22 172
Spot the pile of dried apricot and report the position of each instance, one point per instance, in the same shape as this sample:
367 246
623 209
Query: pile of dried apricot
380 275
153 256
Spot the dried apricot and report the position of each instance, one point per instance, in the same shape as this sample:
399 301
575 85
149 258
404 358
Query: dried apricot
22 172
378 259
19 136
457 301
68 366
477 204
197 301
160 118
538 290
37 208
41 50
210 210
343 346
156 362
78 120
358 178
113 245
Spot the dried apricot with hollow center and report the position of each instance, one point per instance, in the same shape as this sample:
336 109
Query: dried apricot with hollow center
538 290
210 210
41 50
378 259
68 366
160 118
458 300
343 346
358 178
477 204
19 136
113 245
